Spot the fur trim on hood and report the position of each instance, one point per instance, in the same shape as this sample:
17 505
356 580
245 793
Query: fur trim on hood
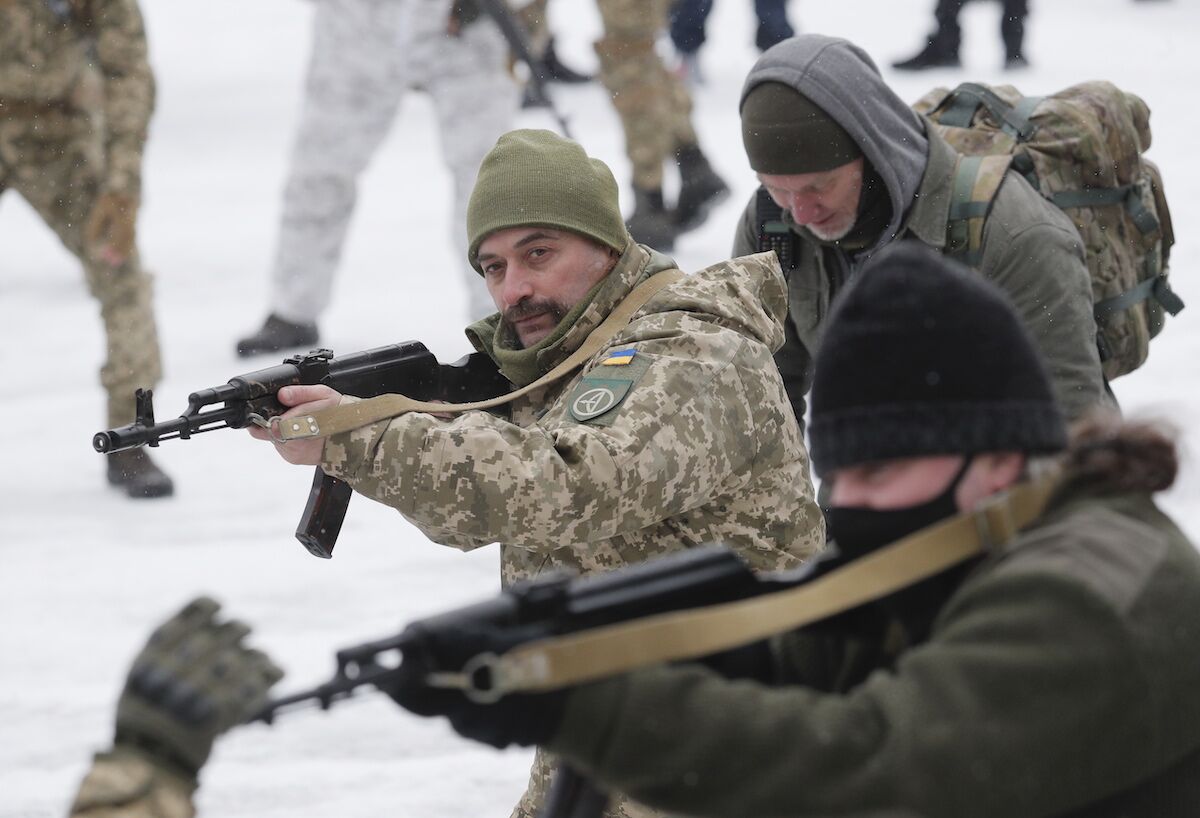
1110 456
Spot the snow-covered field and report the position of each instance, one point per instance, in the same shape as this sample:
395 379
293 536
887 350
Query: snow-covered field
86 572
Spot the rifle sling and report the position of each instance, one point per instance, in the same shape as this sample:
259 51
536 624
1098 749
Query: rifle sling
355 415
562 661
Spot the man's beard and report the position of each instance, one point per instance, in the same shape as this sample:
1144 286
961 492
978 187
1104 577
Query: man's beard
832 235
526 308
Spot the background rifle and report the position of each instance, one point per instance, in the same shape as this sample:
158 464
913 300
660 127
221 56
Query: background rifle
409 369
553 605
518 42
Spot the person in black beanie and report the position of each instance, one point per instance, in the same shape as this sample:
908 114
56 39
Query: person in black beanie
1053 674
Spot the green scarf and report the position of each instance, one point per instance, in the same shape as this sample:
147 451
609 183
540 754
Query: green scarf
522 365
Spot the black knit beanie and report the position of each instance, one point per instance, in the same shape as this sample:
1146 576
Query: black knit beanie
921 356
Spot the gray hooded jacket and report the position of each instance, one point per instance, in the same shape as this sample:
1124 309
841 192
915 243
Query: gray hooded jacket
1030 249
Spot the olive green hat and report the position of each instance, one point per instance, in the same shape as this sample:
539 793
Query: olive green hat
535 177
785 132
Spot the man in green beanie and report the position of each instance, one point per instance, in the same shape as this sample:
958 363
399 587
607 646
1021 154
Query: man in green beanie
677 433
847 167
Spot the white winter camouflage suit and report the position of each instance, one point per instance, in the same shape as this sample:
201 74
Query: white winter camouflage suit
365 55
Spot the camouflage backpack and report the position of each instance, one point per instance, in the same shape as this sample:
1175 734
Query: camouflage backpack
1082 149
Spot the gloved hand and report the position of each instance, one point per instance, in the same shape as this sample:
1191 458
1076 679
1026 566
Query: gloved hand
192 681
110 227
519 718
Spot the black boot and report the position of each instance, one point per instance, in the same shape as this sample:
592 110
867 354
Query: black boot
277 334
651 223
700 188
135 472
557 72
941 51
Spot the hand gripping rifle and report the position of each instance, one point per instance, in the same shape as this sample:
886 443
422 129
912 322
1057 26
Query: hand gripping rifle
407 368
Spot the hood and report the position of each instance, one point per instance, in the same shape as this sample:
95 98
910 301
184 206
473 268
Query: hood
840 78
747 295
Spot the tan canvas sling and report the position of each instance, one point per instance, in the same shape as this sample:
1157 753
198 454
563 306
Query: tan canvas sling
350 416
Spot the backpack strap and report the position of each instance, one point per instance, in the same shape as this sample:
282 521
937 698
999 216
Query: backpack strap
976 180
773 233
962 103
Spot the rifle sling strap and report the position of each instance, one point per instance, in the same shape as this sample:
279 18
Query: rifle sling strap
355 415
562 661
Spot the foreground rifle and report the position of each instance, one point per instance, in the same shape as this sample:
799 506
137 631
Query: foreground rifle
408 369
546 607
700 604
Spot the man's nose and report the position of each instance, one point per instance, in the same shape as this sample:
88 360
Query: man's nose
517 287
804 209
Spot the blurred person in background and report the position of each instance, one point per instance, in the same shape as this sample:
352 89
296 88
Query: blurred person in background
941 47
76 94
366 54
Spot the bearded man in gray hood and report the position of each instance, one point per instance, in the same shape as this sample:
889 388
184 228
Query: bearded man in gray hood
853 168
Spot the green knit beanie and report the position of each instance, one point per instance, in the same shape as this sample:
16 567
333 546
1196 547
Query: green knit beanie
785 132
539 178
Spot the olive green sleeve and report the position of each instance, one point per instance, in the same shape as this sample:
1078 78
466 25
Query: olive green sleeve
986 720
1040 265
745 240
121 53
796 368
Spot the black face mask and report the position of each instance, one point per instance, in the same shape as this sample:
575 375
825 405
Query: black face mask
858 530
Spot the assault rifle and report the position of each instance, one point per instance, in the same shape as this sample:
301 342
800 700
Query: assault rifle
518 42
407 368
549 606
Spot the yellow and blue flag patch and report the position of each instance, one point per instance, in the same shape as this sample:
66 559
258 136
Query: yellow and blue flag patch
619 357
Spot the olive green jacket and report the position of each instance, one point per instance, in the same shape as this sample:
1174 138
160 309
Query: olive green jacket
1030 250
1060 678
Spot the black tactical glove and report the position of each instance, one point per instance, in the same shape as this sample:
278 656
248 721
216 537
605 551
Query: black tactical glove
192 681
519 718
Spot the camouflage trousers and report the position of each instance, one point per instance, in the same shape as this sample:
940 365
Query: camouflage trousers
55 161
653 104
540 778
365 55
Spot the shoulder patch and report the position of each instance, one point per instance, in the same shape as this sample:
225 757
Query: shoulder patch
602 391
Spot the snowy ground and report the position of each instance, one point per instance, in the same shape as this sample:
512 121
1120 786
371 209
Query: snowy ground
85 572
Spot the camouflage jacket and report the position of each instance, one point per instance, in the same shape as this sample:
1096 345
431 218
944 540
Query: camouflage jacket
1030 250
127 784
700 445
87 57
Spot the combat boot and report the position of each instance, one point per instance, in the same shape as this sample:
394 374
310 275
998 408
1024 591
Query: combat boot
277 334
651 223
700 188
941 51
136 473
